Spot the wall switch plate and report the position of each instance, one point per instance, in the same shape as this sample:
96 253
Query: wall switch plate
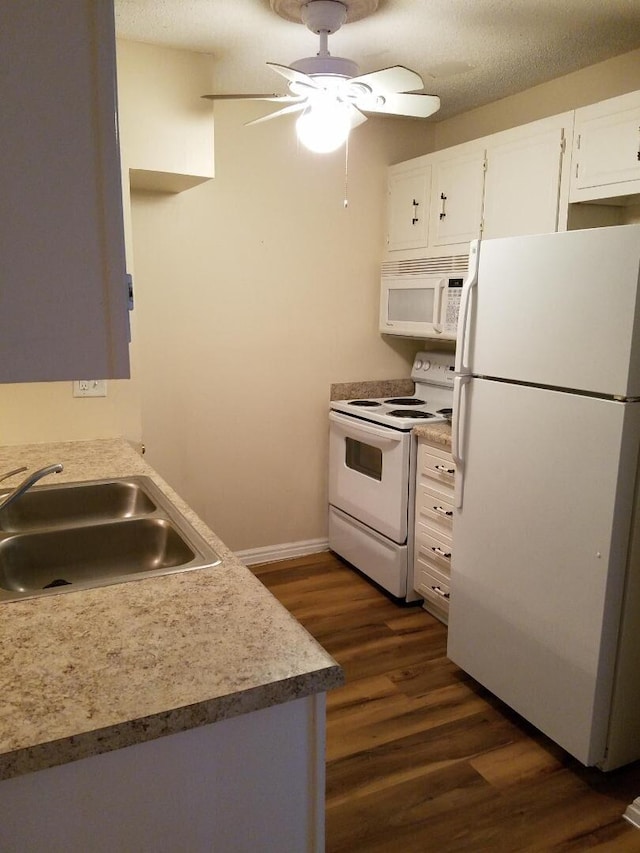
90 388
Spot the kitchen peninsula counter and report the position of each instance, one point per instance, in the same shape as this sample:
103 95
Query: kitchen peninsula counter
92 671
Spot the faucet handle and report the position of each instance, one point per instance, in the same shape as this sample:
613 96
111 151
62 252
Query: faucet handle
11 473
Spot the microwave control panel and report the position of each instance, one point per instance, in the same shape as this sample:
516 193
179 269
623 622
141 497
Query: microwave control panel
453 298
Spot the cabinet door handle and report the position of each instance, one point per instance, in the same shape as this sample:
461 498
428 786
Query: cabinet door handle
639 145
416 205
444 470
442 511
443 212
440 552
439 591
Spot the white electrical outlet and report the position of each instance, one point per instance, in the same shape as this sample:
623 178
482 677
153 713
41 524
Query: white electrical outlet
90 388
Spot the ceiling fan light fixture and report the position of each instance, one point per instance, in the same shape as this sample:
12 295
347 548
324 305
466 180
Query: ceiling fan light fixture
324 125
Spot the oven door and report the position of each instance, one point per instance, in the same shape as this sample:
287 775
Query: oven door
369 474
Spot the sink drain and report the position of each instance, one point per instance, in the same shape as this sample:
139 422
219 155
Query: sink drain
57 582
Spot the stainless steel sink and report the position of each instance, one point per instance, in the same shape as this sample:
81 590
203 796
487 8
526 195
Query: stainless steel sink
75 536
68 504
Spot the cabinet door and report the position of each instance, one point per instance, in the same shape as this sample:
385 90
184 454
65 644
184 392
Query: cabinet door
456 199
522 186
63 302
608 149
408 208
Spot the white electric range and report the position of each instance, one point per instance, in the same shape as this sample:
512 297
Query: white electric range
372 467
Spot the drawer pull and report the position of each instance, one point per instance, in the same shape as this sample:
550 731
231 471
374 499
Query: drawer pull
439 591
442 511
440 552
444 470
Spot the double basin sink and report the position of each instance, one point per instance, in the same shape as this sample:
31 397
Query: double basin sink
75 536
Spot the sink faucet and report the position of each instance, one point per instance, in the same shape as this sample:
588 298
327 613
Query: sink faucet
29 481
11 473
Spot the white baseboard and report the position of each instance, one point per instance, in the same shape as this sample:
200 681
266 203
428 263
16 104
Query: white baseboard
286 551
632 813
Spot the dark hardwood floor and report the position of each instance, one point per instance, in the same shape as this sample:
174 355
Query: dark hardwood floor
419 756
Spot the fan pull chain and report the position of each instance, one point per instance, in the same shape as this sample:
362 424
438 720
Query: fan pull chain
346 174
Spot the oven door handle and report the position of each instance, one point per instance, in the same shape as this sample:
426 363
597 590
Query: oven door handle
351 427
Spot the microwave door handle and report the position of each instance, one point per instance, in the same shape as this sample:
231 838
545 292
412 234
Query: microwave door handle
457 434
462 365
437 308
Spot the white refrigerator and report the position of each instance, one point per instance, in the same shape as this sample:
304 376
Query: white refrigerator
545 576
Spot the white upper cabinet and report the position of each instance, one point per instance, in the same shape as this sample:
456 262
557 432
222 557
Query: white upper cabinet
524 187
606 155
510 183
63 298
456 197
408 205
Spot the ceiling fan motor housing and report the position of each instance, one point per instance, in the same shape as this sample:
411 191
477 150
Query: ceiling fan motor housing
334 66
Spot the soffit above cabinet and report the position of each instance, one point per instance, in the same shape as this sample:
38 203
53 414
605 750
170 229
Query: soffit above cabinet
166 129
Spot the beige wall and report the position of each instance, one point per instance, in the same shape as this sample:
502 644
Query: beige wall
255 292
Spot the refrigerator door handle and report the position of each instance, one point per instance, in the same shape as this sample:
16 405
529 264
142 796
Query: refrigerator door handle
457 435
462 365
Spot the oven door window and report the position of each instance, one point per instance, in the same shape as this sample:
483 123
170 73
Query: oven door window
363 458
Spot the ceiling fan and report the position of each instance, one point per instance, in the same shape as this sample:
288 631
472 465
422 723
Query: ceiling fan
330 94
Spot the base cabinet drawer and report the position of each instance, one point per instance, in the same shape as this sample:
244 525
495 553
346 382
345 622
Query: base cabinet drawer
435 551
435 590
433 514
438 474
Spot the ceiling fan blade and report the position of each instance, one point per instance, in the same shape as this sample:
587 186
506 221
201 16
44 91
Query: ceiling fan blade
398 104
290 109
394 79
356 117
292 75
274 97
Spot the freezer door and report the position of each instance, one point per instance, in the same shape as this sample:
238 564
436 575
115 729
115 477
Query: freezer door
559 310
540 552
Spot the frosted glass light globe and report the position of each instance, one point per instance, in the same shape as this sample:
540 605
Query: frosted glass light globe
324 125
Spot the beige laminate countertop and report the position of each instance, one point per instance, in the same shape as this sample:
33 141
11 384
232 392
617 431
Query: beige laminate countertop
439 433
90 671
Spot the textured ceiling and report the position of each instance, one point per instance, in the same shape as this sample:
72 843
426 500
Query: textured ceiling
469 52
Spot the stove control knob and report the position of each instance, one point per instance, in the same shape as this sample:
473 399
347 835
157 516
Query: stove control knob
426 365
418 364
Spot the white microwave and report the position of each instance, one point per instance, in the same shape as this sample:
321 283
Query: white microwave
420 306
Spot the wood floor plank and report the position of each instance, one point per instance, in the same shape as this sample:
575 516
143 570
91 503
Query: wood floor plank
385 765
422 758
400 718
516 762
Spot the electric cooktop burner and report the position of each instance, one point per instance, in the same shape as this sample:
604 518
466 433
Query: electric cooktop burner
432 377
410 413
